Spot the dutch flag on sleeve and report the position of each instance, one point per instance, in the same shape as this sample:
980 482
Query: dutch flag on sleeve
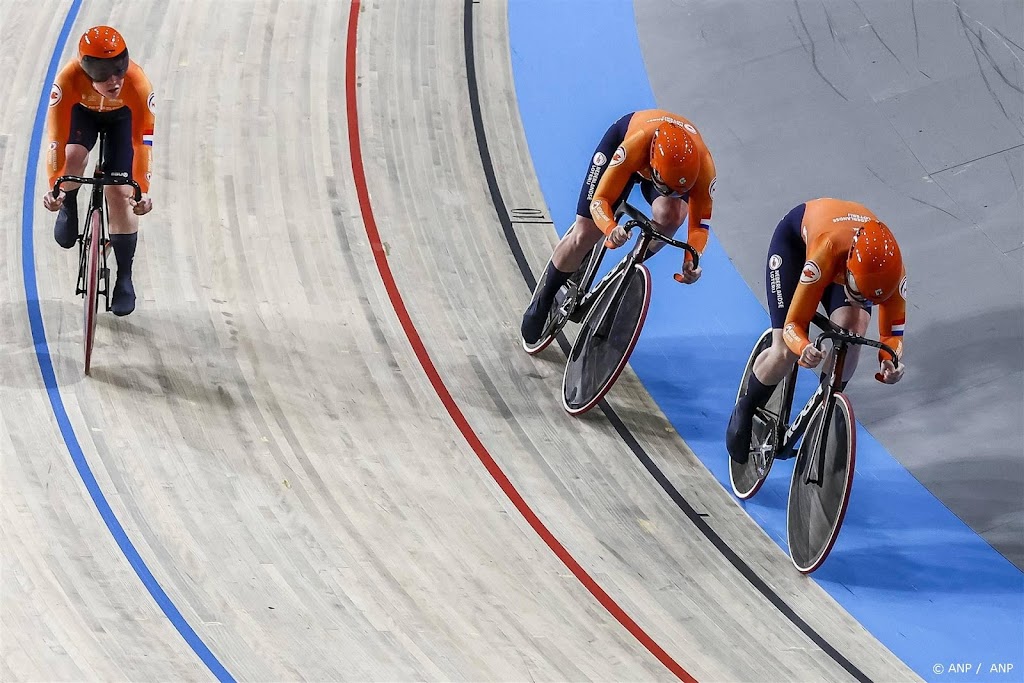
147 137
897 327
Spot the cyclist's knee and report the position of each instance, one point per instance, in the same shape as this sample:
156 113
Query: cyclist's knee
852 318
75 159
668 212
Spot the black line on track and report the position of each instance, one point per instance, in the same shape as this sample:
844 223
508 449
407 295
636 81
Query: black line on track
623 431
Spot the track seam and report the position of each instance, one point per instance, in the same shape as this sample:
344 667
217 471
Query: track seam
621 429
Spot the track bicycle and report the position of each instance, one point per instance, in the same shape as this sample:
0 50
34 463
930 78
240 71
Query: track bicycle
822 480
613 313
94 245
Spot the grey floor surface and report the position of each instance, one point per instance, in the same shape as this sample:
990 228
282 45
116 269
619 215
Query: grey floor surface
915 109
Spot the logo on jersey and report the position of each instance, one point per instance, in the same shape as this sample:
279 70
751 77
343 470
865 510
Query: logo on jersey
618 157
898 326
689 128
147 137
711 188
903 288
775 262
789 333
53 144
600 159
55 95
151 102
852 217
811 273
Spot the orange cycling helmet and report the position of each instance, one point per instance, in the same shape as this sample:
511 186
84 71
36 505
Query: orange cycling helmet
874 267
103 53
674 160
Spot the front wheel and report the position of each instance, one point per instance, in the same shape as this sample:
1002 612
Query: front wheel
606 339
92 287
816 508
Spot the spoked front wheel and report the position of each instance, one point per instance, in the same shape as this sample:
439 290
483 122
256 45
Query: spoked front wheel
565 302
606 339
92 287
747 478
816 508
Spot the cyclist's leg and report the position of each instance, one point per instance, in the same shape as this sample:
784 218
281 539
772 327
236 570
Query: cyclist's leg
667 213
81 138
785 262
579 240
124 224
850 316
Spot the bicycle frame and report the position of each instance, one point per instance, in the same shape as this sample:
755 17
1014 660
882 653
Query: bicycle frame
824 395
97 204
639 254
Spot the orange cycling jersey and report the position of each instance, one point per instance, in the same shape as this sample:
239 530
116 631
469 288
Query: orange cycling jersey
828 229
72 87
634 157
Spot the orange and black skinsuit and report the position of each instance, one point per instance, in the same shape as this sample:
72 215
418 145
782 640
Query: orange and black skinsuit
807 266
623 158
77 112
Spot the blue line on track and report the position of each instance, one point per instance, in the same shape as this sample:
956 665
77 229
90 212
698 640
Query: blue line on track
50 379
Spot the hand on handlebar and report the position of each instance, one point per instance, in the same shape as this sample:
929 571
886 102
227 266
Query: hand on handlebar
689 274
617 238
890 374
141 207
53 203
810 356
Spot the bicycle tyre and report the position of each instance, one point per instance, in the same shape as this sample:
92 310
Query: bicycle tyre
815 513
571 288
595 362
91 298
746 479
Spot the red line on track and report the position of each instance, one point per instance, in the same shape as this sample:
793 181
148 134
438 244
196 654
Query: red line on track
359 177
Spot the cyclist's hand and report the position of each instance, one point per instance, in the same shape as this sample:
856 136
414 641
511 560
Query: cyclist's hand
890 374
689 274
141 207
810 357
617 238
53 203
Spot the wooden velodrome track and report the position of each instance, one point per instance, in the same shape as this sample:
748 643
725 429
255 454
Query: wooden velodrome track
308 457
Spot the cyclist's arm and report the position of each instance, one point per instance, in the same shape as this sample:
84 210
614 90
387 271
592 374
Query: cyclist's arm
892 317
58 121
698 209
814 278
609 189
139 98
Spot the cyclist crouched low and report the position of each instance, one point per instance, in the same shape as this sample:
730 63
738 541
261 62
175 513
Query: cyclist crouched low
836 253
667 156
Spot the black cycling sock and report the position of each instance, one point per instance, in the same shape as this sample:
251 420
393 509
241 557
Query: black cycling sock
553 279
757 393
124 252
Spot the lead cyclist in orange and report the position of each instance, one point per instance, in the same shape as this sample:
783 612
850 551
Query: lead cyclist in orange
102 90
665 153
836 253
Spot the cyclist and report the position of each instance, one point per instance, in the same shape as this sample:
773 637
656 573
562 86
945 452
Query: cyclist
666 155
102 90
839 254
